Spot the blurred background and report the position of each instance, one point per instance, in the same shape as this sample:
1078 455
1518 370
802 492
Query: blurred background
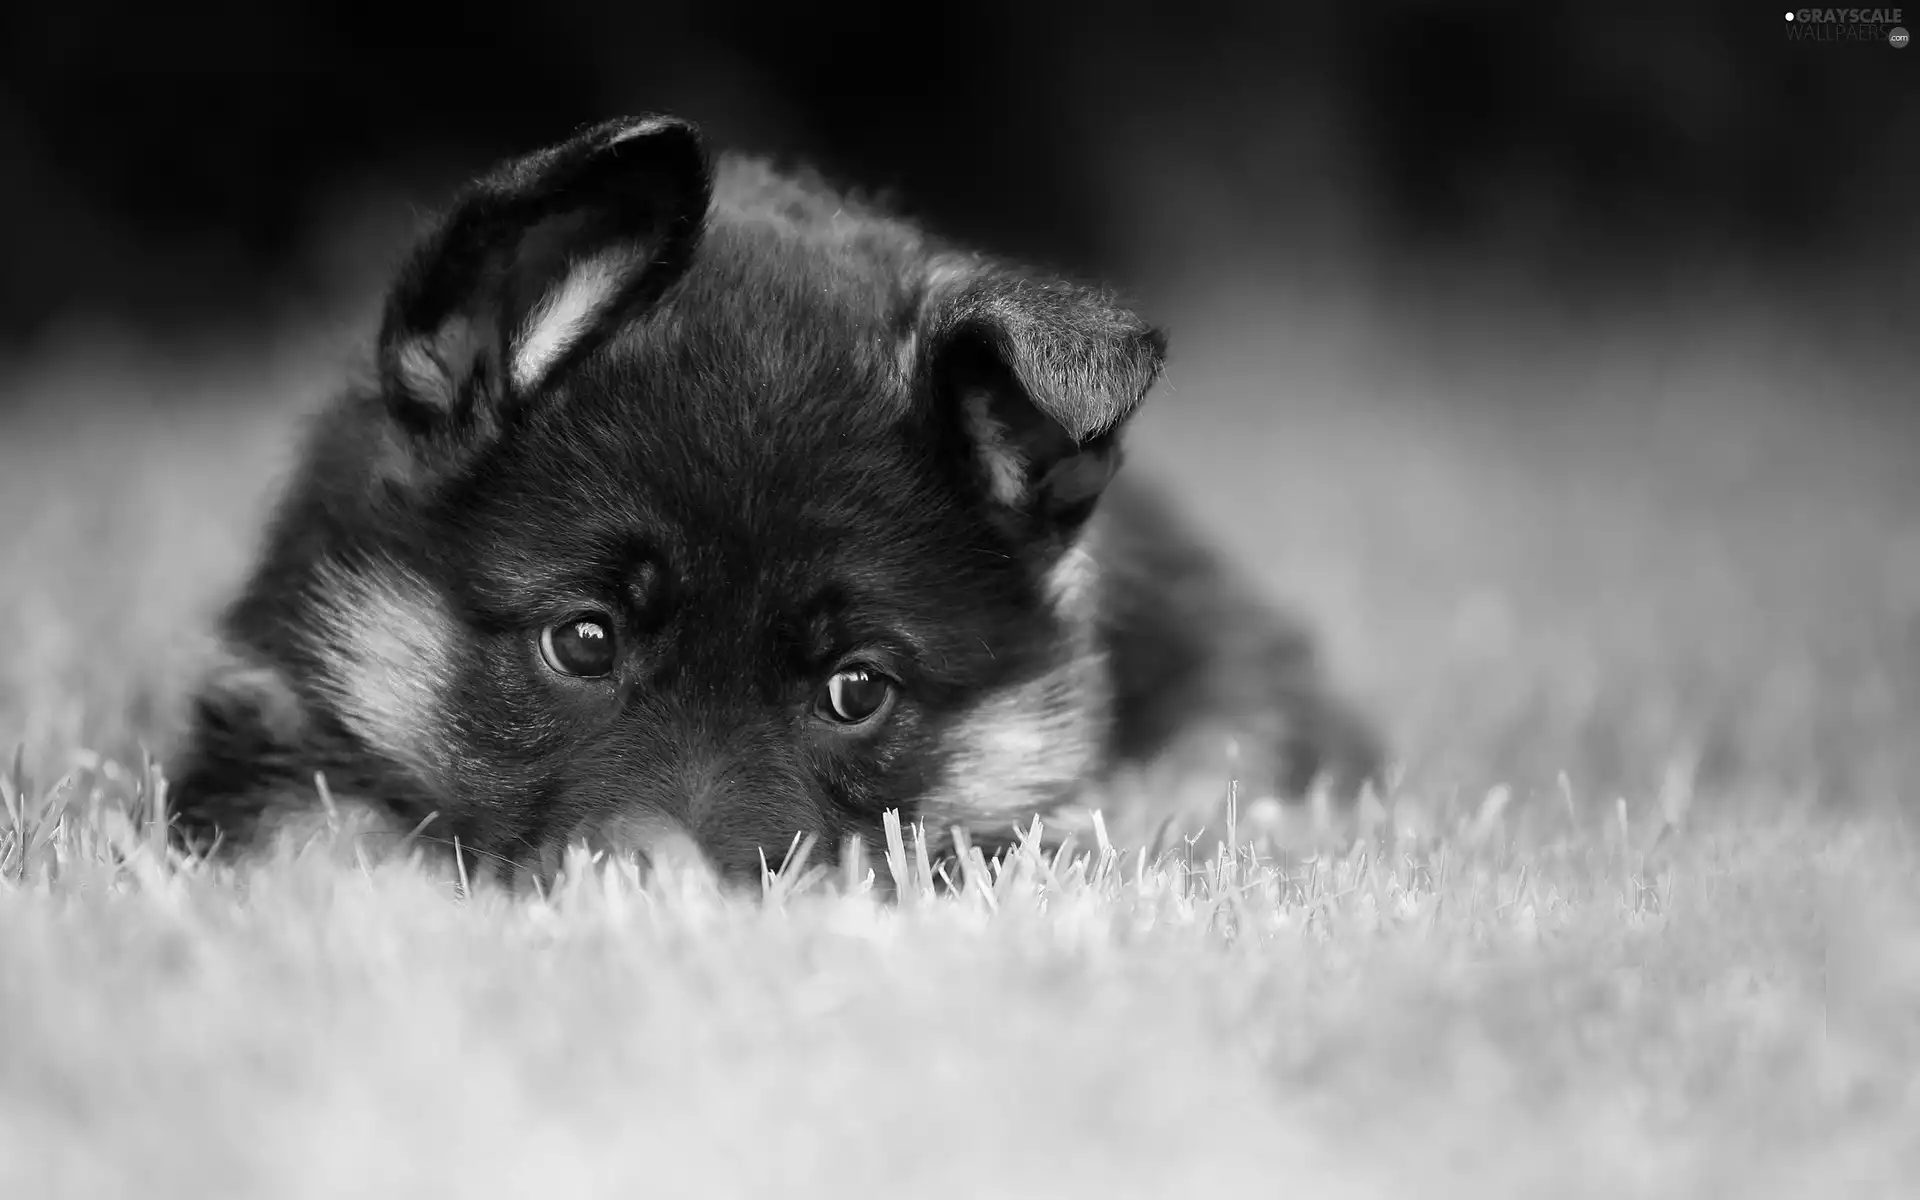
164 164
1555 358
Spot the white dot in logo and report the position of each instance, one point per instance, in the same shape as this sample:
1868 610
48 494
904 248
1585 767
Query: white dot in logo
1789 16
1898 38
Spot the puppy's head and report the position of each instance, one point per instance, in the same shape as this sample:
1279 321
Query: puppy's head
705 504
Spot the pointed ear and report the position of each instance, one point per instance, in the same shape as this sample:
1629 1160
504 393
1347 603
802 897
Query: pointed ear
1039 376
532 267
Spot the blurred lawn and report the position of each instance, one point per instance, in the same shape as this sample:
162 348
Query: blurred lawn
1677 560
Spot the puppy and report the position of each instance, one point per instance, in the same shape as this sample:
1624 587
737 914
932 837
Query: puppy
691 500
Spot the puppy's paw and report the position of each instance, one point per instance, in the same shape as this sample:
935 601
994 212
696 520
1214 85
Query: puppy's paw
1327 743
1266 770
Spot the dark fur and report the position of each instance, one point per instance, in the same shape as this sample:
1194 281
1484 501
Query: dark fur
760 458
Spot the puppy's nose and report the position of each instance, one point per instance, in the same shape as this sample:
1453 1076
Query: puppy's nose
654 839
675 849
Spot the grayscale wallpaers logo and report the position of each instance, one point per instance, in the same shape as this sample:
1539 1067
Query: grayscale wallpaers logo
1848 25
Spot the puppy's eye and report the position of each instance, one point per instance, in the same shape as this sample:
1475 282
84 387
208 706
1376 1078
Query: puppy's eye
581 645
856 695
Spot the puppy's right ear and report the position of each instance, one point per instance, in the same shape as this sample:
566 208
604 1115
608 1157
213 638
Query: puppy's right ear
1041 376
533 266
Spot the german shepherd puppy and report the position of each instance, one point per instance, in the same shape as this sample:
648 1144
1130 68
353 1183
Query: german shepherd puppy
696 500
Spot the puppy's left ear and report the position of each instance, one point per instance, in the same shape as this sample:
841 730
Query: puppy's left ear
1039 376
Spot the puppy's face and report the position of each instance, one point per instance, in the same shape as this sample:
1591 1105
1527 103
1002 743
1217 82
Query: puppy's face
733 519
743 603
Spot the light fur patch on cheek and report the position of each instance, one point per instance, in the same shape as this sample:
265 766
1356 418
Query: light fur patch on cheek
385 642
1026 748
568 313
1006 467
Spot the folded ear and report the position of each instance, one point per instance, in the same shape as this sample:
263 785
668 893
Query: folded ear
1039 376
533 265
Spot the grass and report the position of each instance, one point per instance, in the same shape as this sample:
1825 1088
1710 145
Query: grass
1639 920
